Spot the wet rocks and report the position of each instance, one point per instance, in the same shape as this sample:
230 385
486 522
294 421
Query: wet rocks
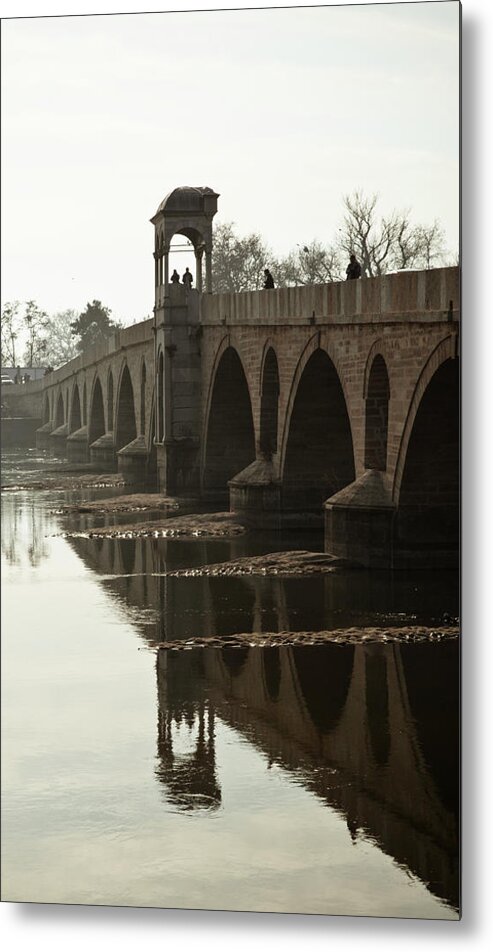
293 562
340 636
134 502
206 525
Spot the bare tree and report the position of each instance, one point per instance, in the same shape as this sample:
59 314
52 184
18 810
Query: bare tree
389 243
10 329
61 343
35 321
314 263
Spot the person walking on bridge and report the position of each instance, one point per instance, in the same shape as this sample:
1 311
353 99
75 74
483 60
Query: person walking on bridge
269 280
175 277
353 269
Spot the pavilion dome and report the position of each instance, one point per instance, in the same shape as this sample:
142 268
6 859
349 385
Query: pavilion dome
186 198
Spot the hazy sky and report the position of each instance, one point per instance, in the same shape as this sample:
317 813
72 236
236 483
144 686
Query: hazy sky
280 111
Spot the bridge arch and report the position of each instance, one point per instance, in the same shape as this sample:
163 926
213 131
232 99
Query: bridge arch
125 427
59 412
444 351
46 409
96 411
377 395
230 436
143 375
318 446
428 486
111 406
269 403
75 421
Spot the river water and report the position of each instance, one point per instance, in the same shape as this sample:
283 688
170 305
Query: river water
316 779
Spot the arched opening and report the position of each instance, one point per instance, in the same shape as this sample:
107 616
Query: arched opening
59 412
230 443
160 399
143 400
234 659
84 405
319 454
431 674
75 414
377 704
272 671
377 416
110 402
269 406
96 418
126 429
428 514
324 675
182 255
46 409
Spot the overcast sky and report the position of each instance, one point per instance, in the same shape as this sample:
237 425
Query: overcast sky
280 111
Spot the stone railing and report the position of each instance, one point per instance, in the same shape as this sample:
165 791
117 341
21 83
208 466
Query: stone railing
424 296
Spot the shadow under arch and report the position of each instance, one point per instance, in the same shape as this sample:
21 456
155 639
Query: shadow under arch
437 725
75 422
269 405
125 426
319 457
59 412
230 439
324 674
96 412
428 513
111 404
377 397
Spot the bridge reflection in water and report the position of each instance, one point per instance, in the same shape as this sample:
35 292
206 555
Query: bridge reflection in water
372 731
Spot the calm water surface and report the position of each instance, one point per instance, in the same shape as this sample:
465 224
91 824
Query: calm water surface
309 779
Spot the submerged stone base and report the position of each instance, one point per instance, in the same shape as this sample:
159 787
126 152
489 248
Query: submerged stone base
77 445
102 452
132 460
58 440
255 495
43 436
359 521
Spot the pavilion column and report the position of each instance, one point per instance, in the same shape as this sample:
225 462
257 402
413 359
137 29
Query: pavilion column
208 270
166 267
198 268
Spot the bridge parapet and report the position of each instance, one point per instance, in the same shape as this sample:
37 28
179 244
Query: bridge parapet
133 336
424 296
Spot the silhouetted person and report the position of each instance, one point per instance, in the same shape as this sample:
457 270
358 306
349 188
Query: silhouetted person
187 278
18 376
353 269
269 280
175 277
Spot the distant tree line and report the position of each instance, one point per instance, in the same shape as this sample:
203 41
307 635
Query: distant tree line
32 338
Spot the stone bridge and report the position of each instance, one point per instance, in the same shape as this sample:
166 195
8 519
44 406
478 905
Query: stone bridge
340 398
